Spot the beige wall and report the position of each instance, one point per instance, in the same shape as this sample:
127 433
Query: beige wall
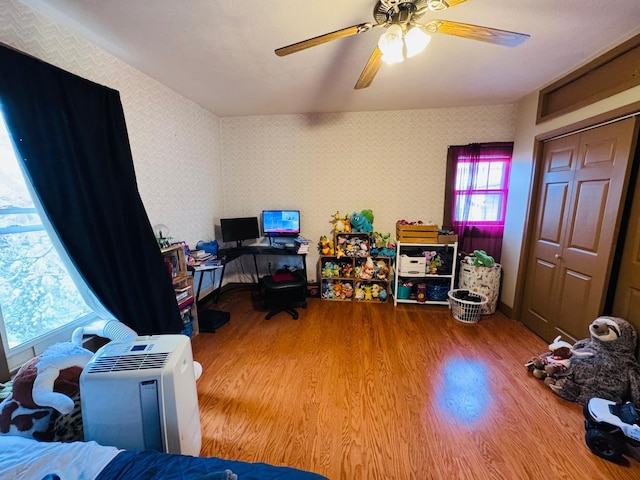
390 162
521 173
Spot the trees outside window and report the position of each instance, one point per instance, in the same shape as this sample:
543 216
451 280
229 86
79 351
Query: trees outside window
37 295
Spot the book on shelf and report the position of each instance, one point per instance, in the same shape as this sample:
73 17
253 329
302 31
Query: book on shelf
302 244
185 303
202 255
207 264
181 296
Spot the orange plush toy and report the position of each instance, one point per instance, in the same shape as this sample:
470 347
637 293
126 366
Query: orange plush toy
43 389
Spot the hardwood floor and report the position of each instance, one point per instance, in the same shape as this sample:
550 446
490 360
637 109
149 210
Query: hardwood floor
364 392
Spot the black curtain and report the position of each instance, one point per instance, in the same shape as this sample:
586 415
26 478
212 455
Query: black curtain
72 139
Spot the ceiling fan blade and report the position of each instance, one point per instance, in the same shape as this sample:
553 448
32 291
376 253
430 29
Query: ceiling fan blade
370 69
319 40
475 32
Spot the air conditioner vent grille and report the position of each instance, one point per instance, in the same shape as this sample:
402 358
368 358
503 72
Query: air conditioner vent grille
121 363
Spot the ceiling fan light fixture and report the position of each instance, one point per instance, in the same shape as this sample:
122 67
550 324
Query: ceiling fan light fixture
391 45
437 5
416 40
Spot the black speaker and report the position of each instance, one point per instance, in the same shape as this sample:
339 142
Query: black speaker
210 320
313 289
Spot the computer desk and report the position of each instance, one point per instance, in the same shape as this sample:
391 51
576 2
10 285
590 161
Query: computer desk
202 269
228 255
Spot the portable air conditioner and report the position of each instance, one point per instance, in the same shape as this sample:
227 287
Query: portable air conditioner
140 394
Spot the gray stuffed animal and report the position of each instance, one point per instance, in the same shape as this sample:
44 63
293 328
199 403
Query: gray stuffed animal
607 367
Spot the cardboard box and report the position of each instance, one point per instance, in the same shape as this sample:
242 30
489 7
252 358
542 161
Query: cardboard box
447 238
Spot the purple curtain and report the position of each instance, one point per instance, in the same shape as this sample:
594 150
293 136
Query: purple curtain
474 234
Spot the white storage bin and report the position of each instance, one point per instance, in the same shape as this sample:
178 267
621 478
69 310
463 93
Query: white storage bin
412 266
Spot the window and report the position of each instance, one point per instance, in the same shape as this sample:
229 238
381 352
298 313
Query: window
476 193
480 193
37 295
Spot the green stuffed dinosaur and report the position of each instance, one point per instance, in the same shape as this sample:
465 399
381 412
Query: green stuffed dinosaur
481 259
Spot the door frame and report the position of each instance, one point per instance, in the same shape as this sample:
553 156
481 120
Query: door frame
534 193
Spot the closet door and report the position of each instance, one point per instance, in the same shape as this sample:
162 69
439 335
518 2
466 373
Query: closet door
626 302
577 219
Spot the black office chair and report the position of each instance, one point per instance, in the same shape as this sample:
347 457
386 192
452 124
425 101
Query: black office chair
285 292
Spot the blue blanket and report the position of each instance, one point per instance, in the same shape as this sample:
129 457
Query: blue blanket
151 465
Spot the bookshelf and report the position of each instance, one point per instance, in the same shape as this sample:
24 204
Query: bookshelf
176 263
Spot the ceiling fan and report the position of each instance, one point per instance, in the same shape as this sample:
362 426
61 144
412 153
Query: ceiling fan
405 36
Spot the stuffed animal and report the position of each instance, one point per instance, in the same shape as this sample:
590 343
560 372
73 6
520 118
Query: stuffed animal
347 224
376 242
368 293
553 362
603 365
44 389
481 259
347 270
433 262
341 223
325 246
367 269
369 214
327 270
382 270
382 295
388 251
327 290
337 289
360 222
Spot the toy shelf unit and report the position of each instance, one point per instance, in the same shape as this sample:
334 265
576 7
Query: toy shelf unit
348 278
176 262
352 244
424 273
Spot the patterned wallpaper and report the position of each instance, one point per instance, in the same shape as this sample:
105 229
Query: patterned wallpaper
390 162
194 168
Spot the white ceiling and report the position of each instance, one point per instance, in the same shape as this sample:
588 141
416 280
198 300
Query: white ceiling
220 53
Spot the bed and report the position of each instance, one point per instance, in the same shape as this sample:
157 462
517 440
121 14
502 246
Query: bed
26 459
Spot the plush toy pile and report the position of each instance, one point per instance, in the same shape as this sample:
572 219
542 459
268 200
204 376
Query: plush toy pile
44 403
603 365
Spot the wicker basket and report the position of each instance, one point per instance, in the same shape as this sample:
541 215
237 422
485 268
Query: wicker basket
466 310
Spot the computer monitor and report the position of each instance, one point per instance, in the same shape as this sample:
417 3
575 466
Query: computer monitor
281 223
239 229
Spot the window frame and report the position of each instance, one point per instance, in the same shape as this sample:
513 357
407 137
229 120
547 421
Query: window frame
502 191
450 185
